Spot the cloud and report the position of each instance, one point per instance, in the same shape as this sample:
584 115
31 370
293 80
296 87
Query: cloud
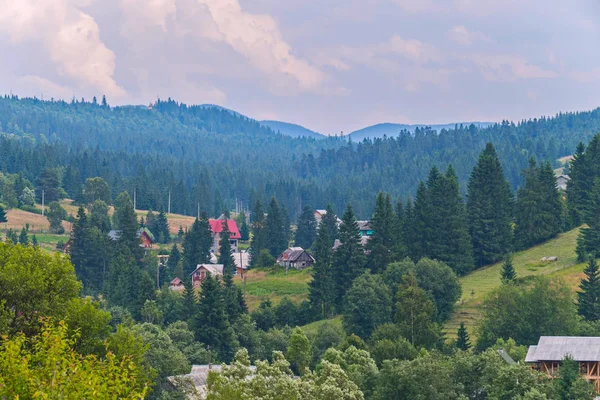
71 37
509 68
142 13
258 38
461 35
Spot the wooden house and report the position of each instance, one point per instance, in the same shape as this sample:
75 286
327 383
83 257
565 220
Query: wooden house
144 234
319 214
216 228
547 355
176 285
202 271
295 257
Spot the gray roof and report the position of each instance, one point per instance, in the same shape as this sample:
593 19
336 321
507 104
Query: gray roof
555 348
195 381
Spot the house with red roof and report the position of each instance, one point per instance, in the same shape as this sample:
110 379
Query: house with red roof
216 227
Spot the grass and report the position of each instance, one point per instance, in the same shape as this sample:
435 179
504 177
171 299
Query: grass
274 284
313 327
478 284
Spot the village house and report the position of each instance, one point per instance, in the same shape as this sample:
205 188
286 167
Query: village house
242 262
547 355
295 257
216 227
176 285
202 271
144 234
319 214
194 384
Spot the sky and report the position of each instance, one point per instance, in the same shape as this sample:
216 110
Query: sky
330 65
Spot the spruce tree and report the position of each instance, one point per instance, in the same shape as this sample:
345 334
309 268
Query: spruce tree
127 223
3 217
196 245
161 228
235 305
275 232
577 186
463 341
225 256
34 241
508 273
419 225
330 223
174 258
588 241
322 286
23 237
307 228
588 295
258 233
244 231
78 251
384 241
349 258
189 299
211 324
489 208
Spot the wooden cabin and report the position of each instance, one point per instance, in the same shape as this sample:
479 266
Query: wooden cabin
295 257
176 285
547 355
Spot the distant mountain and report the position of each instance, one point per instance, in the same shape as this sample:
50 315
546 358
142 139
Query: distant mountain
390 129
292 130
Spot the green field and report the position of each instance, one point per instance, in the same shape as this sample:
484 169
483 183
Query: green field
274 284
479 283
313 327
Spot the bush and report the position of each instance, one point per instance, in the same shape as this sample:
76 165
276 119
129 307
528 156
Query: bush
31 209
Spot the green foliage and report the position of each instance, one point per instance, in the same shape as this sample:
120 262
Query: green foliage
126 221
196 245
489 208
384 242
27 197
525 313
415 313
48 367
307 228
569 385
3 218
588 296
225 256
56 214
322 286
97 189
357 363
367 304
276 381
275 229
298 351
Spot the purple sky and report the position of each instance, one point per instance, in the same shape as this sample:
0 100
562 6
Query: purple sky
333 65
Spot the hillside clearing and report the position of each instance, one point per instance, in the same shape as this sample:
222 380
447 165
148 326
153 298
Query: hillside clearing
274 284
478 284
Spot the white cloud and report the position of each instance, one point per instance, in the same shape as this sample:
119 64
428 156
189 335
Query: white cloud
258 38
147 12
461 35
509 68
70 36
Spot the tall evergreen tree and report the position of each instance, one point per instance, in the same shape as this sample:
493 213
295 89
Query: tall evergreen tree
588 241
127 223
196 245
588 295
235 305
383 243
258 233
449 241
419 225
244 231
322 286
3 218
189 299
174 258
489 208
349 259
463 341
508 273
307 228
330 222
577 186
225 256
78 251
23 237
161 228
275 232
211 324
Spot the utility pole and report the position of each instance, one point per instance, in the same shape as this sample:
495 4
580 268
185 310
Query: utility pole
43 194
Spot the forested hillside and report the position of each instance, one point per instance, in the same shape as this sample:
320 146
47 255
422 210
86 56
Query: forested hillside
211 156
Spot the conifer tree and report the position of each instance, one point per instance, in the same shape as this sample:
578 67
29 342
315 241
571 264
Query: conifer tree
275 232
189 299
174 258
463 341
235 305
508 273
258 233
489 208
322 286
23 237
34 241
577 186
449 241
419 225
307 228
3 218
211 324
244 231
161 228
348 260
588 295
384 241
330 222
127 223
79 241
196 245
588 241
225 256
